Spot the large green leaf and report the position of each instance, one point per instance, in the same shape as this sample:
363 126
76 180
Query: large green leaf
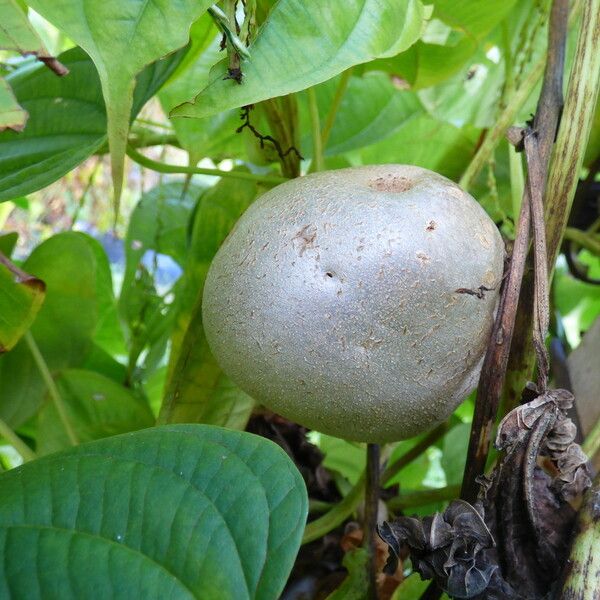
196 389
21 296
65 325
12 116
96 406
183 511
67 121
122 37
305 42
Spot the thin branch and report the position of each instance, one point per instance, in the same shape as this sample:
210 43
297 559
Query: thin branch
541 305
53 392
282 116
54 65
494 365
591 445
144 161
582 96
504 121
315 126
337 515
429 440
245 116
16 442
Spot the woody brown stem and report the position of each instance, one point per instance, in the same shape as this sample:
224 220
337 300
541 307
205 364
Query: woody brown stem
496 360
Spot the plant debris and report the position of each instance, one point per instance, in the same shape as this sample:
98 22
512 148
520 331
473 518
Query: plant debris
512 542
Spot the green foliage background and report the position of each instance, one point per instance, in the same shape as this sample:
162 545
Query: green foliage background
118 330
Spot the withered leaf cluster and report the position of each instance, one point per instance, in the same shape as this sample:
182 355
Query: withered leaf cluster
512 542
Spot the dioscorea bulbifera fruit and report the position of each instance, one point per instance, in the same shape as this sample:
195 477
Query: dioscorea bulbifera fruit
340 300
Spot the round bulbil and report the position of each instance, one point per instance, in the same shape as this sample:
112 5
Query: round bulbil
358 302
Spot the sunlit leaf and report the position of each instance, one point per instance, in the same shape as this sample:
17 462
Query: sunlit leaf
346 458
372 108
454 449
442 54
157 233
121 38
303 43
356 584
209 136
16 32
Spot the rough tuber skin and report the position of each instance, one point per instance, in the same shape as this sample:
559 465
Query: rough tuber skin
357 302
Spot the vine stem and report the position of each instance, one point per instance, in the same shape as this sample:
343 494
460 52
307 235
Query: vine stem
14 440
335 105
583 239
403 501
423 498
578 116
51 386
581 580
591 444
370 520
342 510
316 129
144 161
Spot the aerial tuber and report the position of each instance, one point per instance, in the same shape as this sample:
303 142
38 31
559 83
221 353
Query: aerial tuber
358 302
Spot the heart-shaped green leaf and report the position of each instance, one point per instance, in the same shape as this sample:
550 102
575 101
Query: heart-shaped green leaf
457 30
121 38
67 119
186 511
305 42
21 296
